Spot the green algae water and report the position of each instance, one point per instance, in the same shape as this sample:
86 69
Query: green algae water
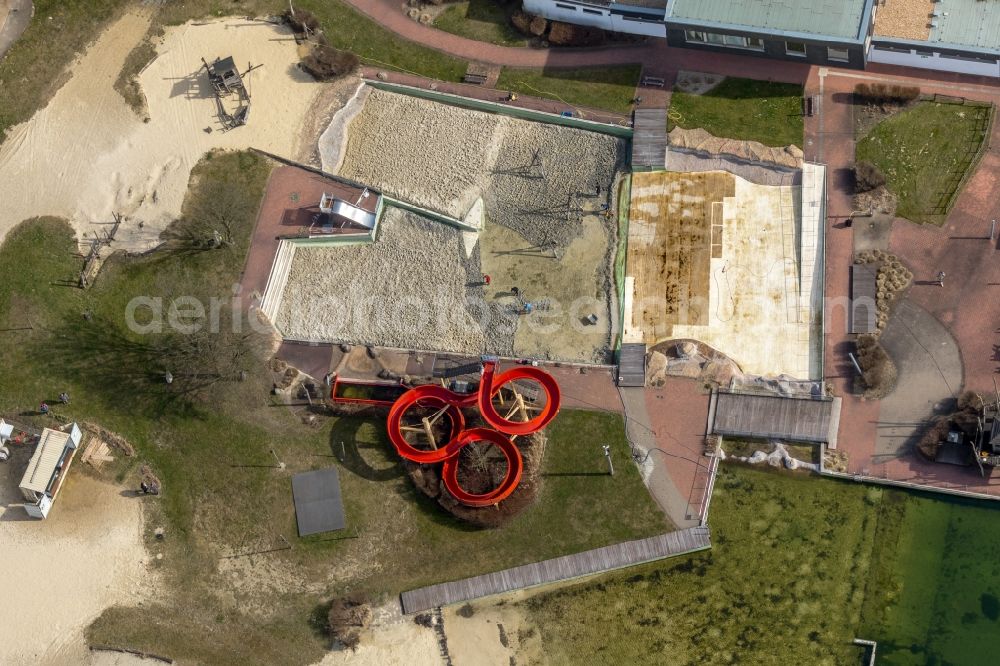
933 595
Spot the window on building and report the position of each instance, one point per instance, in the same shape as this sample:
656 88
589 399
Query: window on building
795 48
734 41
839 55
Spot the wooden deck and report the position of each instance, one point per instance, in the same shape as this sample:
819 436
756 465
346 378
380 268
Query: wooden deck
649 141
772 416
864 312
558 569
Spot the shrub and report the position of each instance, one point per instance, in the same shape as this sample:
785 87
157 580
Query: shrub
301 20
883 93
867 177
567 34
538 26
878 372
348 617
326 63
522 21
931 440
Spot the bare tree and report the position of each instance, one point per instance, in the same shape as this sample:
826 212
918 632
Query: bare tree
211 218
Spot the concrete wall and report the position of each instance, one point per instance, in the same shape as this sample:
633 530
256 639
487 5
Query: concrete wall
907 55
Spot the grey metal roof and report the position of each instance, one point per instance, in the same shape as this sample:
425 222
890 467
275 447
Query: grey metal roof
318 505
967 23
830 18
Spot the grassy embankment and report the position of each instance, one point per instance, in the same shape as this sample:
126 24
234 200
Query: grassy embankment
483 21
925 152
744 109
605 88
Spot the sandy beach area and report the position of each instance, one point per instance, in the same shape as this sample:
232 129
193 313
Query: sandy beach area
62 572
87 155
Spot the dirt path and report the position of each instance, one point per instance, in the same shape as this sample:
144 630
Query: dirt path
15 15
87 155
61 573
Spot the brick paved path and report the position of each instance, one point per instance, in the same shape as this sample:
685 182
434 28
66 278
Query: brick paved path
967 306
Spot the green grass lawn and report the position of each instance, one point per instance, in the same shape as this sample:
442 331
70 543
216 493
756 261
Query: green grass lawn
935 592
607 88
782 584
223 498
924 151
345 28
481 20
744 109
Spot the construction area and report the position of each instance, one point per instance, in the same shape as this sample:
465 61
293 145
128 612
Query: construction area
512 253
716 258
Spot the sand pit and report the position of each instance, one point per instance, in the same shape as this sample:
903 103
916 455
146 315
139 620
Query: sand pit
539 195
407 290
532 177
715 258
418 287
60 573
86 154
393 640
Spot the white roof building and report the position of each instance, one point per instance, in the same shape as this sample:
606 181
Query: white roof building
47 468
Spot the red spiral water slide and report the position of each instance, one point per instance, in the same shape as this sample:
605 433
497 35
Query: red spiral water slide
450 404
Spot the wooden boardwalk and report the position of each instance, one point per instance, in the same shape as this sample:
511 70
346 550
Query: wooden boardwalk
558 569
771 416
649 141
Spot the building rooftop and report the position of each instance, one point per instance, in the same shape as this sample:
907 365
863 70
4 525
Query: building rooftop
967 23
905 19
46 458
828 18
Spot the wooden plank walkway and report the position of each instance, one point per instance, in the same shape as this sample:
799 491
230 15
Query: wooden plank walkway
649 140
608 558
769 416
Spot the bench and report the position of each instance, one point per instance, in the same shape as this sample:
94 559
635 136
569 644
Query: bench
809 105
478 79
652 82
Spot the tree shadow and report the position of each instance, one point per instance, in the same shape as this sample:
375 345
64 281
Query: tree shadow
843 179
352 453
125 372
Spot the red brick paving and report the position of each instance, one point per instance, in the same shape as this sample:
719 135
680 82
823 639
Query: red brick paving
291 197
967 303
678 412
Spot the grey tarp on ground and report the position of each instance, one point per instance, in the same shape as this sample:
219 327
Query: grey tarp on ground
318 505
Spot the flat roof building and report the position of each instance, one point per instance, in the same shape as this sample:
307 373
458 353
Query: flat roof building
47 469
844 19
949 35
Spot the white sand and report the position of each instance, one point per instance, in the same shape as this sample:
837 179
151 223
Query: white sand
60 573
86 154
393 640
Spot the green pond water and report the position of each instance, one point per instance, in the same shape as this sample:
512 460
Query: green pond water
934 588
